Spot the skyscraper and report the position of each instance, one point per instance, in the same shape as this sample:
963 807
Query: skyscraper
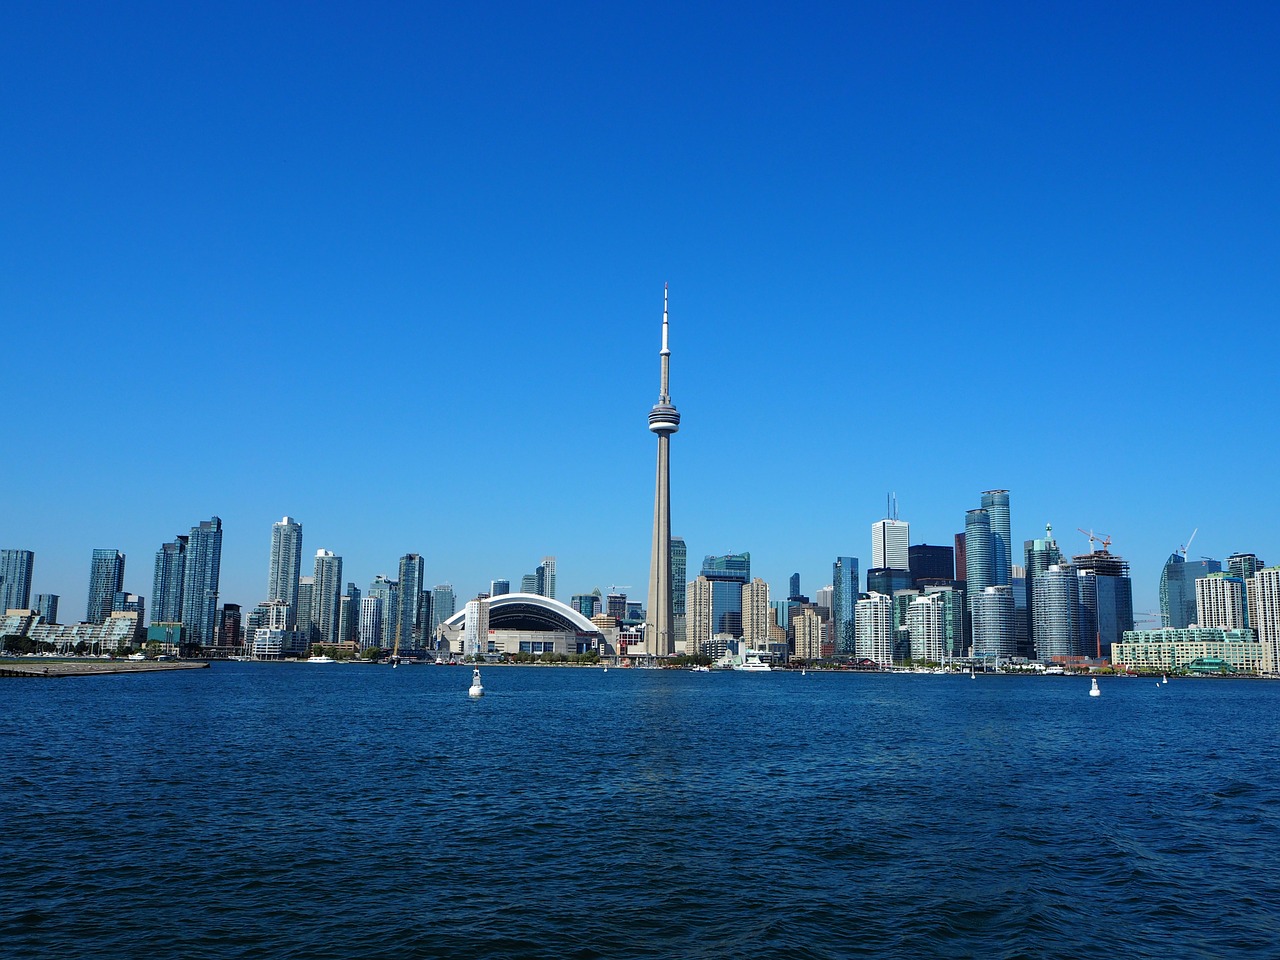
497 588
326 597
15 579
874 622
698 629
1178 588
979 563
679 594
1266 590
793 588
889 539
303 618
844 595
444 604
166 585
933 564
1055 609
996 503
1220 602
529 583
755 614
46 604
382 622
727 574
808 630
201 574
664 420
545 577
1039 555
286 563
349 616
407 624
992 612
927 626
106 579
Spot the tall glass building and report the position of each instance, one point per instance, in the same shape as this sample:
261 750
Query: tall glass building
444 604
201 573
1055 608
1039 555
996 503
993 634
888 580
411 586
979 560
1106 600
326 597
844 597
378 623
1178 589
15 579
727 576
931 563
106 579
46 604
166 584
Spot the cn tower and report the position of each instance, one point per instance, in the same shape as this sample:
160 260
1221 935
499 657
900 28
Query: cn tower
664 420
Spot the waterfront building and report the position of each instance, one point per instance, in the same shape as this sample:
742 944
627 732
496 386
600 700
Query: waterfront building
326 598
992 614
46 604
979 564
807 624
1266 610
1220 602
1106 600
1055 608
874 623
106 579
953 611
755 614
844 595
286 563
698 611
370 622
230 626
408 628
664 421
349 615
475 633
727 574
116 633
1021 615
167 582
123 602
544 578
1171 649
387 594
302 616
889 544
927 626
15 579
888 580
444 604
929 563
996 504
498 587
1039 555
200 578
1178 588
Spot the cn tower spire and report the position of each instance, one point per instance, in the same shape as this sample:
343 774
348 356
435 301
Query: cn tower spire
664 420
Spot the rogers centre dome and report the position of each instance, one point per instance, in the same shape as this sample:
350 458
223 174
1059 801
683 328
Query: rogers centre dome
529 623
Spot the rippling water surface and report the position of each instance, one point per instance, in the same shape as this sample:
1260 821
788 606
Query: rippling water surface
282 810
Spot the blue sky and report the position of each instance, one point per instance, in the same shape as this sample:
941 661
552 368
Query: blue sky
398 273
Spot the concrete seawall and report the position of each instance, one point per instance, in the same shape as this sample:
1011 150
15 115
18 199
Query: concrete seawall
39 667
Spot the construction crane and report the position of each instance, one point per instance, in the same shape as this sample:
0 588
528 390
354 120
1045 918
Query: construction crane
615 587
1187 546
1105 540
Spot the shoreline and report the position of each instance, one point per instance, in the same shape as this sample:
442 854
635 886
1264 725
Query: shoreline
54 669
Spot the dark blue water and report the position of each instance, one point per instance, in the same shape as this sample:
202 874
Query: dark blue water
256 810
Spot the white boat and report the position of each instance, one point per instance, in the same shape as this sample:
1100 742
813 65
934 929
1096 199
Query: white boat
1093 690
751 663
477 689
136 656
320 659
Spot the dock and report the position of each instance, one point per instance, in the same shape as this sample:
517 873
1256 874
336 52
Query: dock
48 669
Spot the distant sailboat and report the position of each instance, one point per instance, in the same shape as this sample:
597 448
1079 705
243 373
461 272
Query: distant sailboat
1093 690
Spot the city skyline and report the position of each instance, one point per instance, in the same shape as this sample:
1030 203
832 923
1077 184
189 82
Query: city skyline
818 183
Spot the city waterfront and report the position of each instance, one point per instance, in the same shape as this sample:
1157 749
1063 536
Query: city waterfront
332 811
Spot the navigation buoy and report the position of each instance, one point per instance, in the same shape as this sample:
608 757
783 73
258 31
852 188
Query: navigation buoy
477 690
1093 690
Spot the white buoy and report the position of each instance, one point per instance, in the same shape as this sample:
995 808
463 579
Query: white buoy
1165 680
1093 690
477 690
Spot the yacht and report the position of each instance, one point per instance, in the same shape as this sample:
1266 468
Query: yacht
320 659
751 663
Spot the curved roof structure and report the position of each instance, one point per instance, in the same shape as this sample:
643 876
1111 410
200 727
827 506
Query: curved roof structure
529 611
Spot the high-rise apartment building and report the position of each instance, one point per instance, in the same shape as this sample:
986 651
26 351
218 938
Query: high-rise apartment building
15 579
992 613
306 588
1106 600
889 544
409 626
475 631
349 615
529 583
46 604
979 562
755 613
807 624
679 594
545 578
167 583
927 625
200 578
844 595
1039 555
1220 602
874 623
1266 593
106 579
698 616
326 597
1055 609
286 563
996 503
1178 588
953 603
444 604
370 622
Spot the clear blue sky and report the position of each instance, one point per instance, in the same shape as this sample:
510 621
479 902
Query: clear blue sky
397 272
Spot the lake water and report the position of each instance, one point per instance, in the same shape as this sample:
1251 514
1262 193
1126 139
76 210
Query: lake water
286 810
